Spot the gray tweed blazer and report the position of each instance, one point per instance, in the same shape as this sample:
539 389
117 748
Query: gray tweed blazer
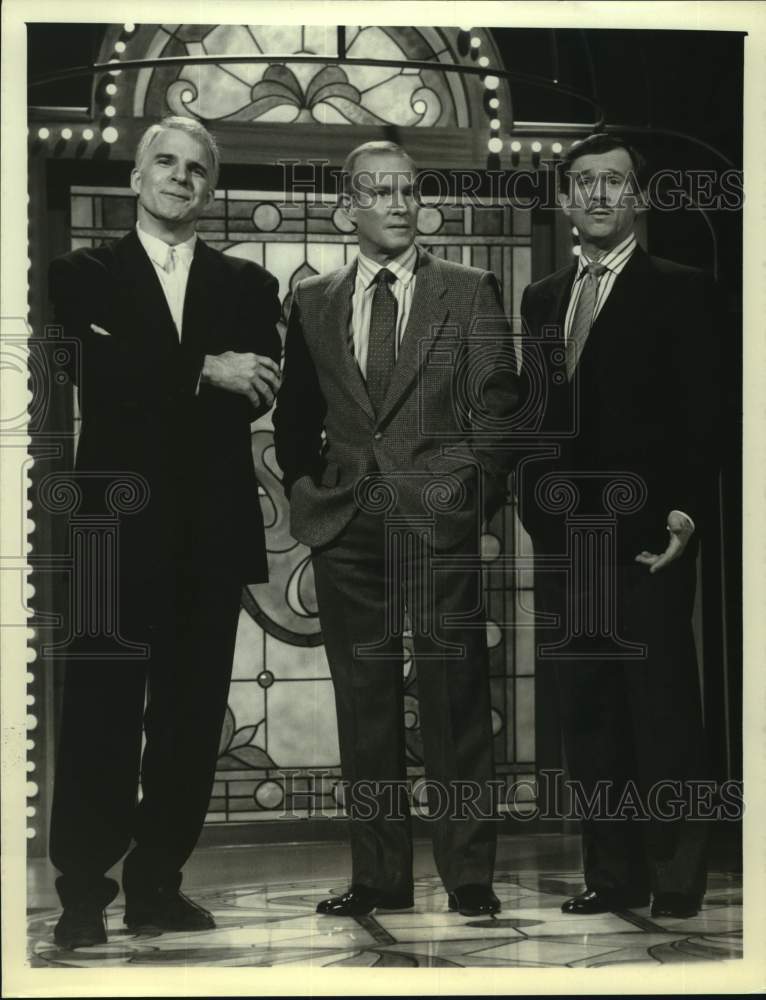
438 451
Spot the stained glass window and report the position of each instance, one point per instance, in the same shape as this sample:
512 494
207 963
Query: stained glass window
282 91
279 752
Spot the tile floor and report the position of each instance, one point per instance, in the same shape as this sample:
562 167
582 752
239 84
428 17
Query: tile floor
271 921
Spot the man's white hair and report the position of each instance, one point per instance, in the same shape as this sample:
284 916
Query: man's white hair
182 124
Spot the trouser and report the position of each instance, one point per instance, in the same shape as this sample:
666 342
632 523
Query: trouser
178 694
362 585
633 734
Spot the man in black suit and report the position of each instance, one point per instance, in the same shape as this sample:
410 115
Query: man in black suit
398 378
618 352
178 353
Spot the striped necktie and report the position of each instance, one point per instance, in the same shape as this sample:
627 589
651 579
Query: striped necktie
381 347
582 320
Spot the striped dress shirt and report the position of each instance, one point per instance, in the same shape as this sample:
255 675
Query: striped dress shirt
403 288
614 262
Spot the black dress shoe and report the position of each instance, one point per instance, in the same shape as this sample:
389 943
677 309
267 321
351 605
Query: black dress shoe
361 900
473 900
80 925
674 904
166 910
600 902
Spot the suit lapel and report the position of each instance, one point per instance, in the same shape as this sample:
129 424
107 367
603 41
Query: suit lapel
334 334
556 310
629 286
427 315
200 292
145 298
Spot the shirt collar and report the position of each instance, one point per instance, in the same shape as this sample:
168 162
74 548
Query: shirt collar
615 259
402 267
157 249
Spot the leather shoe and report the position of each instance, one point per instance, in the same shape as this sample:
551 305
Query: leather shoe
591 901
473 900
80 925
361 900
166 910
674 904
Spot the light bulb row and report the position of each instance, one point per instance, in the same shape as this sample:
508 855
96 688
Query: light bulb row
495 144
109 134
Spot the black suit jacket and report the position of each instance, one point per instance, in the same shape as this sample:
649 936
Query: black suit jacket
142 413
643 400
440 440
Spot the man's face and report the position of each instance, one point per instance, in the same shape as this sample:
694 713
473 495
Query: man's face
602 202
174 180
382 204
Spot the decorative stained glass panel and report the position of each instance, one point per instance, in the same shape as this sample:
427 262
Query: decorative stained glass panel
278 752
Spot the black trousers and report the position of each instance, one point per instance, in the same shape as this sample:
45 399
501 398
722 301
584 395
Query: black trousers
179 696
363 581
633 731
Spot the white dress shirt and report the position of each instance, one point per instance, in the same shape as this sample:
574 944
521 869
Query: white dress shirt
403 288
172 265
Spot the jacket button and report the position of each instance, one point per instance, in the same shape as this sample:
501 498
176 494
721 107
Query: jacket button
378 435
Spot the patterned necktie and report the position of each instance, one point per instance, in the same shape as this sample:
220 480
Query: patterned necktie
582 320
381 347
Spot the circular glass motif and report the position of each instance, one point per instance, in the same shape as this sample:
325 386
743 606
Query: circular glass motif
269 795
430 219
341 221
410 720
490 547
266 217
497 722
494 635
265 678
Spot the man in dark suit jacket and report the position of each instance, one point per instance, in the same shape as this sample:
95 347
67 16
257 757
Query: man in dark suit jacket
618 357
178 353
398 381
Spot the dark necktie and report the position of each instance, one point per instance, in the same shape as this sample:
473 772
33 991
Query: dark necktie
582 320
381 346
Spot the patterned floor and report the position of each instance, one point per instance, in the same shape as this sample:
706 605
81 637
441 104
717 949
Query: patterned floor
275 925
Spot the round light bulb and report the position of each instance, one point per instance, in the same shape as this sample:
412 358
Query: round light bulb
493 103
43 133
557 147
110 134
111 89
536 147
110 111
495 145
87 134
119 47
515 146
66 133
495 124
491 83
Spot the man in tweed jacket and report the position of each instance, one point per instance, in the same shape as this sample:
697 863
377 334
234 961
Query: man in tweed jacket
390 429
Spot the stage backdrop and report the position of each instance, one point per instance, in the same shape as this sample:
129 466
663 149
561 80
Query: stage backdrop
279 750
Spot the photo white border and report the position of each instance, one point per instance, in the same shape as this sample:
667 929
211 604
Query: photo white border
741 976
